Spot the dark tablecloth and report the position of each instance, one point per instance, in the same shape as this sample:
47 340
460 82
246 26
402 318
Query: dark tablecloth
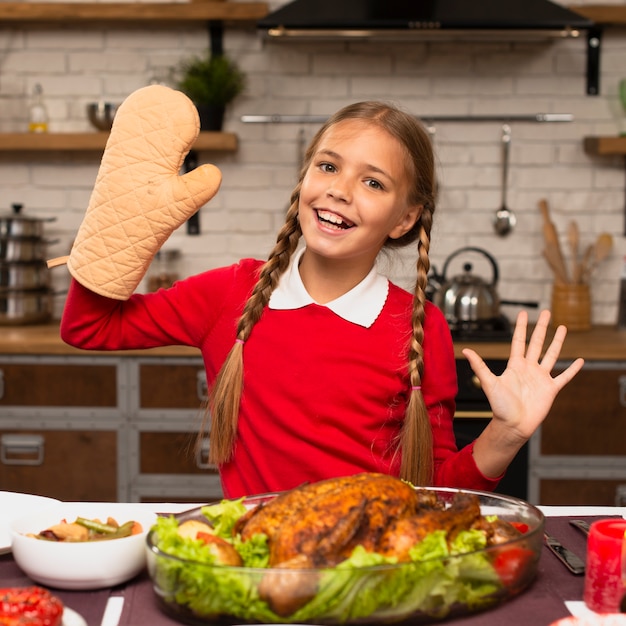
89 604
539 605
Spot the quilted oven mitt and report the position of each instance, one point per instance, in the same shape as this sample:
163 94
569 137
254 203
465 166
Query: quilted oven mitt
139 197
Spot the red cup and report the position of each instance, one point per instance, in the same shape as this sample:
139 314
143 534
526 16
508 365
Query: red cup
604 587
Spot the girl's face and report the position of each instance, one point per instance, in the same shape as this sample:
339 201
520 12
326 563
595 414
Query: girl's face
354 194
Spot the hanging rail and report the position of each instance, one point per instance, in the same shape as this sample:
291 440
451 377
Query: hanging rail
320 119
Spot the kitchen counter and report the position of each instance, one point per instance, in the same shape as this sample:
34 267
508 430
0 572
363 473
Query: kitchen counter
44 339
601 343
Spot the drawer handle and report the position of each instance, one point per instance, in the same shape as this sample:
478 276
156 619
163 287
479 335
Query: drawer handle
21 449
1 384
202 388
622 390
202 455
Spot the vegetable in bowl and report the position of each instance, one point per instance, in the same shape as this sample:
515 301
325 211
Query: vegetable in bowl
334 573
84 529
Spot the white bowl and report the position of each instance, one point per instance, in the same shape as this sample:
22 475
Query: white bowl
14 505
81 565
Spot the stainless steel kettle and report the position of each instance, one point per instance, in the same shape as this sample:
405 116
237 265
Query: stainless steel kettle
467 297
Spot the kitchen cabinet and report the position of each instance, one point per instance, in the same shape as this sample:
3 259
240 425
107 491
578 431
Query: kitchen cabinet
69 463
105 428
166 415
57 384
578 456
61 427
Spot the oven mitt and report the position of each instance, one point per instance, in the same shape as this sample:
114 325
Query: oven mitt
139 197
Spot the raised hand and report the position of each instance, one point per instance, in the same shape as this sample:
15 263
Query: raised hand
521 397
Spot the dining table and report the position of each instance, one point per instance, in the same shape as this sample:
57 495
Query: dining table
555 592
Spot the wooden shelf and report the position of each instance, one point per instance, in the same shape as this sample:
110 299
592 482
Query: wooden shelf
72 12
96 141
605 146
602 14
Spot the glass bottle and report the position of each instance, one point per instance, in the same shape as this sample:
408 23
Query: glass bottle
163 271
38 114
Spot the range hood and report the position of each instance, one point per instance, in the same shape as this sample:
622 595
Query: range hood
402 19
420 20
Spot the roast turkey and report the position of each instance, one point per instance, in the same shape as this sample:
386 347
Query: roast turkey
318 525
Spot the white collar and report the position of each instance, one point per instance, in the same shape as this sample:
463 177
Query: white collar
361 305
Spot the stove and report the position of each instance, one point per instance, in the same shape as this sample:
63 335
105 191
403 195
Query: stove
495 329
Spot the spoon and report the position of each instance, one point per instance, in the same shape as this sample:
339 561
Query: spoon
597 253
603 248
505 219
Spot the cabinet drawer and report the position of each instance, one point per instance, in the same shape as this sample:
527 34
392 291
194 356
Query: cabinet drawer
65 464
588 416
171 386
171 453
580 491
57 385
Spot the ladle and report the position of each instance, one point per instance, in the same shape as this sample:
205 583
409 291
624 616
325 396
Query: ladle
505 219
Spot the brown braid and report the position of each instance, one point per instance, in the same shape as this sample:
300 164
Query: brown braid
415 441
226 393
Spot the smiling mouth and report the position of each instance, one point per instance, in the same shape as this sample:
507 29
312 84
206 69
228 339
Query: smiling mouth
332 220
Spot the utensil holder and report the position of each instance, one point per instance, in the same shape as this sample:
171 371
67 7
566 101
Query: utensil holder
571 306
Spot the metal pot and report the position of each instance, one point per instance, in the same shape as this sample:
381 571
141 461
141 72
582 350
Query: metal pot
34 275
16 225
19 307
467 298
22 249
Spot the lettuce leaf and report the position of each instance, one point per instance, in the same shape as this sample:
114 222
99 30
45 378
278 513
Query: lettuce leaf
224 515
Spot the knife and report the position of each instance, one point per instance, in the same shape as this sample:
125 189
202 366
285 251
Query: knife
581 524
573 562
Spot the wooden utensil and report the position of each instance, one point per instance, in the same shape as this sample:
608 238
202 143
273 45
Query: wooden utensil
603 247
556 265
553 250
573 237
596 253
585 263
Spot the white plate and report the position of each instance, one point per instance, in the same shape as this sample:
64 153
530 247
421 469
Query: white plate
72 618
14 505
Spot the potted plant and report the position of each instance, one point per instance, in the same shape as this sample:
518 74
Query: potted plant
211 82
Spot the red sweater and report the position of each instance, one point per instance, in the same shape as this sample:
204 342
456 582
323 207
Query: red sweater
322 396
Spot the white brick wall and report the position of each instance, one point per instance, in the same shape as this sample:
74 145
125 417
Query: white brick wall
76 65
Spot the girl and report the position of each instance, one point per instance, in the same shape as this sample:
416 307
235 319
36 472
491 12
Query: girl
318 365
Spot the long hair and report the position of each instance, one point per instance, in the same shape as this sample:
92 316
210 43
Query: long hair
415 439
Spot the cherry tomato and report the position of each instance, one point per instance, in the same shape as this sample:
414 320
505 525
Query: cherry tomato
29 605
521 526
510 564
